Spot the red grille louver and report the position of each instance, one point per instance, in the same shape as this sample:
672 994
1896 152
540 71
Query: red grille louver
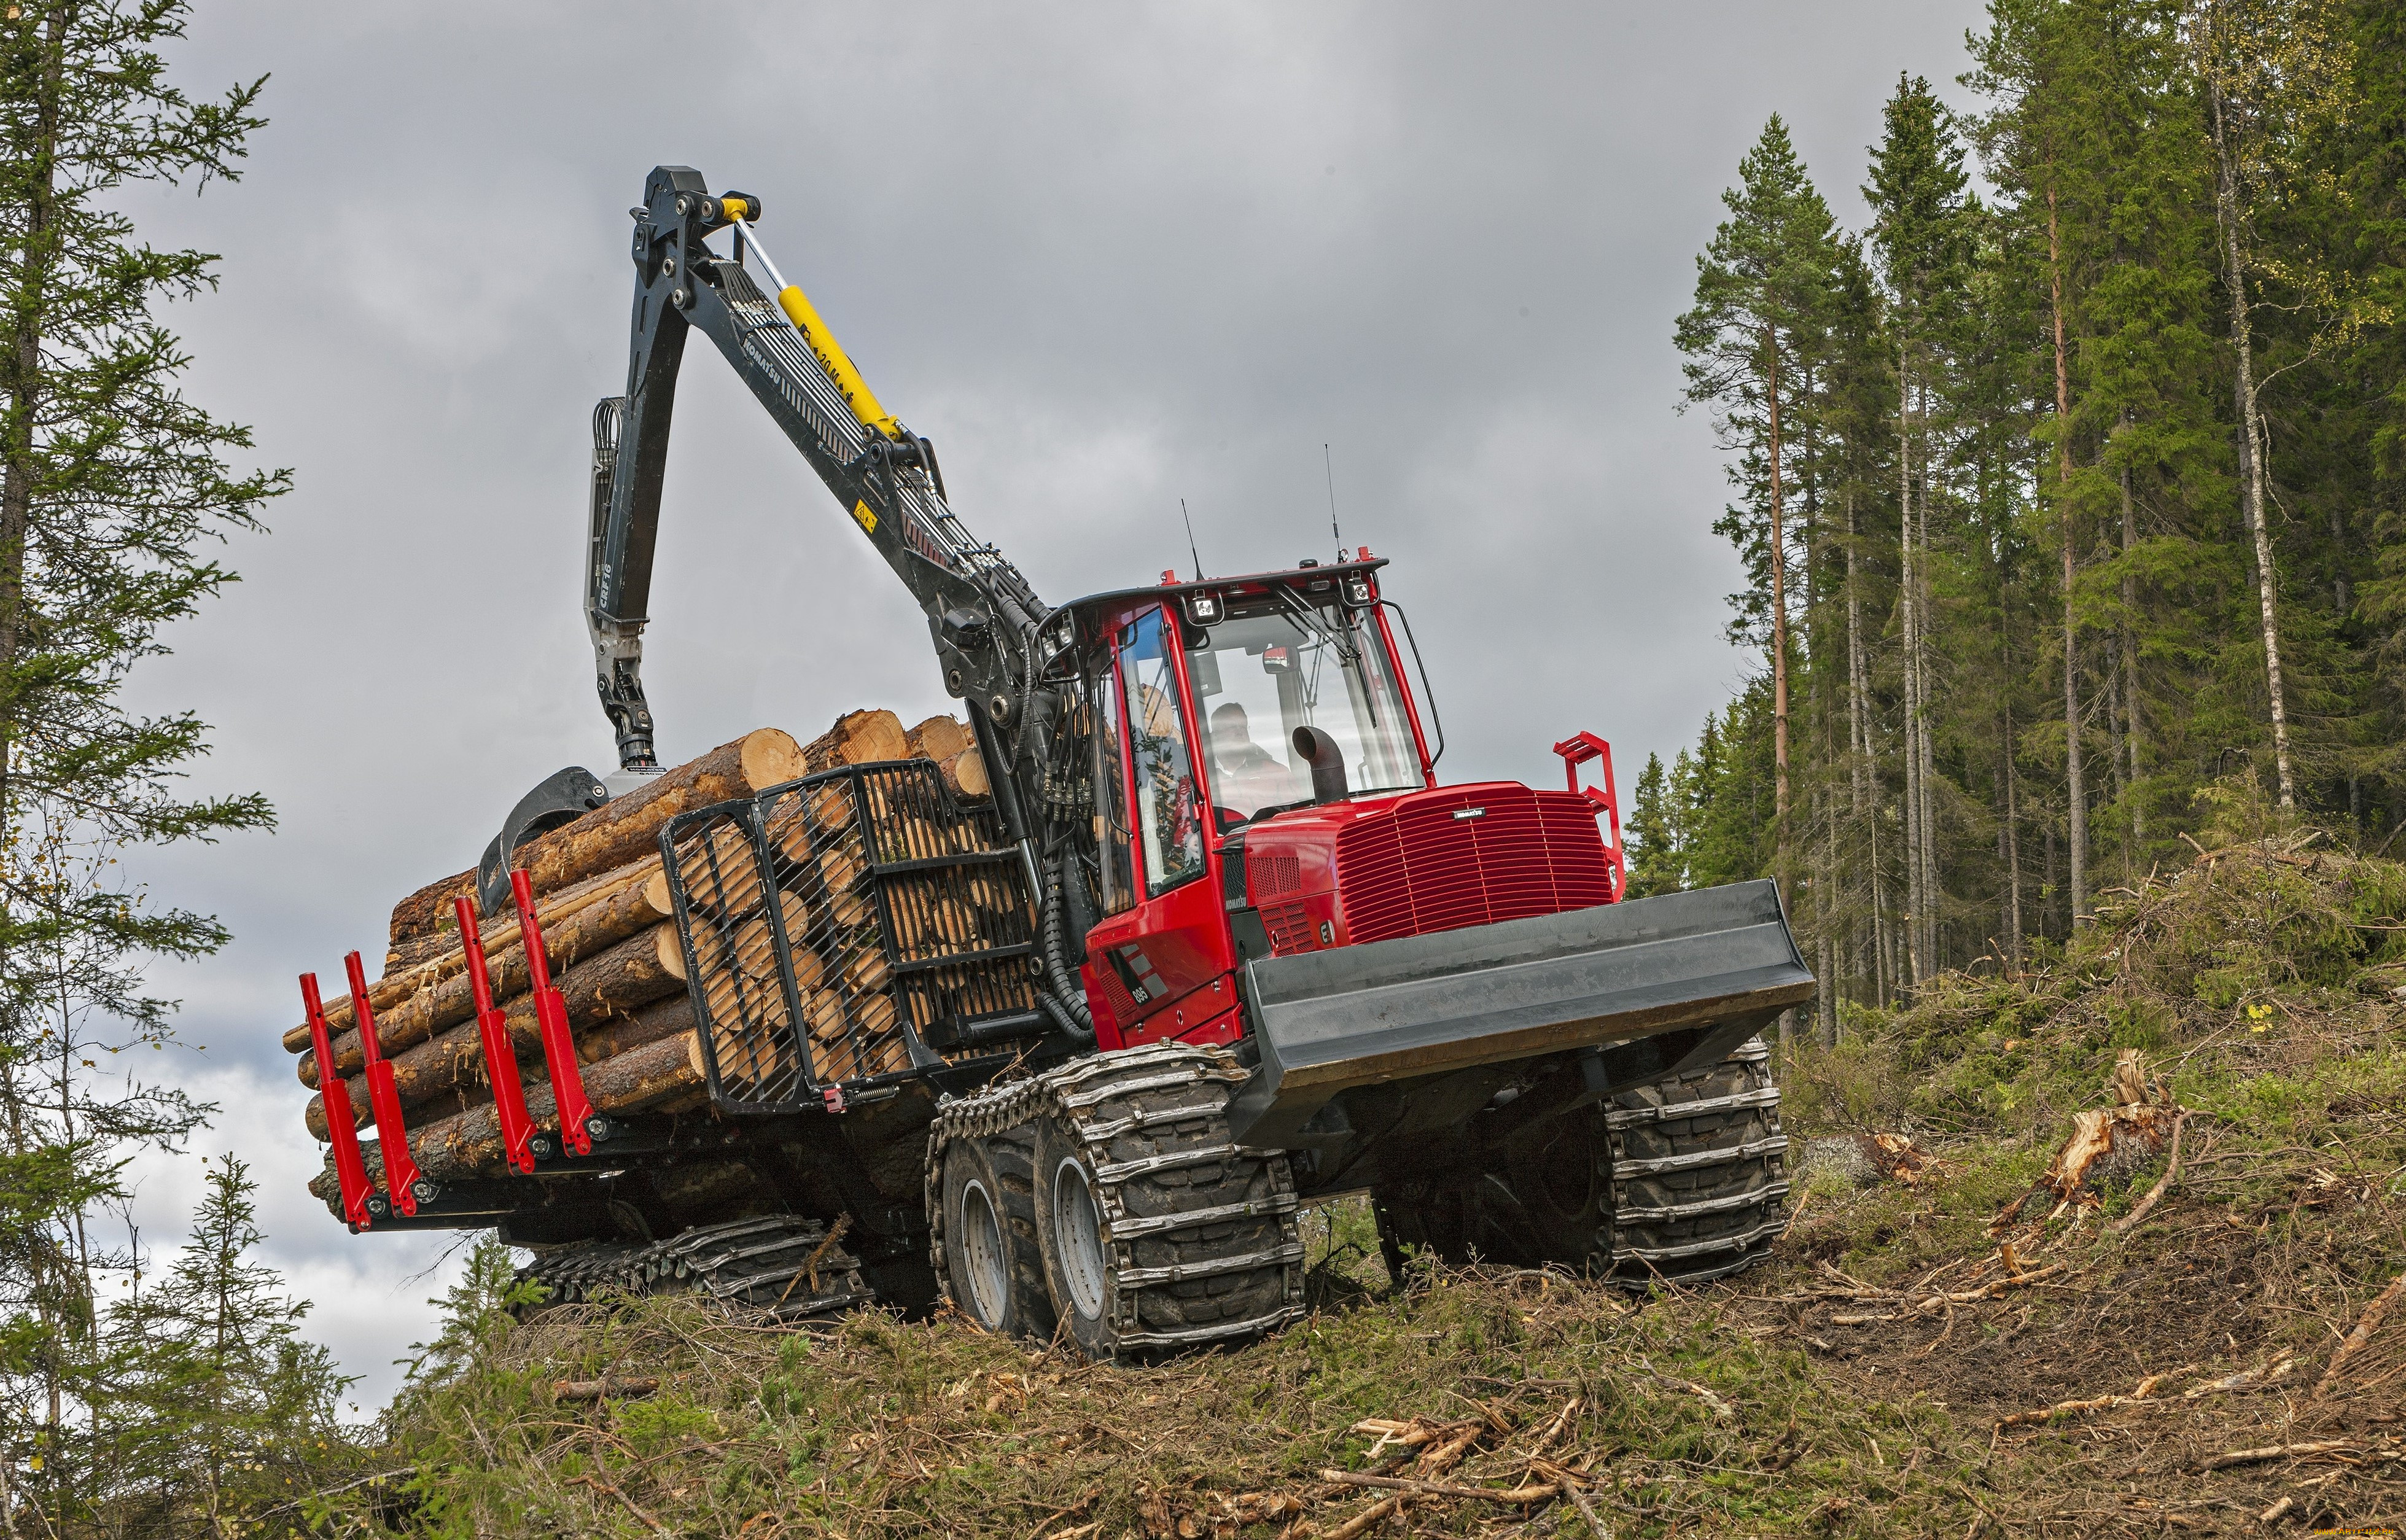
1433 864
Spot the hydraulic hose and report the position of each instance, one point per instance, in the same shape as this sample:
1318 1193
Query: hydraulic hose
1062 1019
1057 969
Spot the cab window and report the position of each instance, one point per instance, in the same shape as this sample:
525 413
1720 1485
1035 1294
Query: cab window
1111 832
1168 828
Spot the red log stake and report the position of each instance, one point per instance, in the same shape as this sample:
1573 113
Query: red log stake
349 1169
576 1114
401 1178
501 1057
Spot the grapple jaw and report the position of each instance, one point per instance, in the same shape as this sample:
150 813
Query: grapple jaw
1700 971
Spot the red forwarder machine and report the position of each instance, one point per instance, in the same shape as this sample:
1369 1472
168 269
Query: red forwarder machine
1217 945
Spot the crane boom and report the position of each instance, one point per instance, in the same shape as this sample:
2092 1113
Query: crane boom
982 616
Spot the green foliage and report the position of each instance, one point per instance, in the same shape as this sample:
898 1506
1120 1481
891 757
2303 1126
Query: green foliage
146 1417
1929 822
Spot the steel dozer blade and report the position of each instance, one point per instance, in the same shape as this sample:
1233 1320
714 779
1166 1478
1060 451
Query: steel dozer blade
1720 958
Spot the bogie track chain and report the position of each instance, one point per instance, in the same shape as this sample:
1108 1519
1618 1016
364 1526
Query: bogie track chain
783 1265
1200 1234
1699 1171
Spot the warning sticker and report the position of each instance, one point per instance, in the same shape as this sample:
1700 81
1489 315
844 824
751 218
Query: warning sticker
862 517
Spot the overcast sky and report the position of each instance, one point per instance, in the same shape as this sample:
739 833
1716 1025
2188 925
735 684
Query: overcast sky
1105 256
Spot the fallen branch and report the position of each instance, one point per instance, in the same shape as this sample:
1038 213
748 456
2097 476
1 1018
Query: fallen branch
599 1485
2366 1325
2277 1451
2104 1403
1587 1510
1412 1432
809 1267
1363 1522
1723 1410
2245 1379
1562 1422
598 1389
1518 1496
1994 1290
2129 1222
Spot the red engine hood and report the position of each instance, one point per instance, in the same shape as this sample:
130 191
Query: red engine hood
1379 868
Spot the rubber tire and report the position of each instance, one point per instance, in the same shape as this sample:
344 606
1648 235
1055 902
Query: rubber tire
997 1169
1546 1202
1761 1180
1095 1331
1195 1303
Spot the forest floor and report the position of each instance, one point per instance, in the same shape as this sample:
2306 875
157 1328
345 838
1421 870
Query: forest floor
1944 1344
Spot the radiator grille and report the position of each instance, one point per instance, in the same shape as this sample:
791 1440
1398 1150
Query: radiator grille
1272 875
896 938
1433 863
1289 927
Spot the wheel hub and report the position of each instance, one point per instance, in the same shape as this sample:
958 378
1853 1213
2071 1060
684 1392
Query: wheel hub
1078 1238
989 1287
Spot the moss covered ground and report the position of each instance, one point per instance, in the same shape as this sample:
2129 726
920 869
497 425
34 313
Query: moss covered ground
1906 1366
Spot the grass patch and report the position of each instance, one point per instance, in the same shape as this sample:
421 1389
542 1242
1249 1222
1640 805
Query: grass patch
1862 1384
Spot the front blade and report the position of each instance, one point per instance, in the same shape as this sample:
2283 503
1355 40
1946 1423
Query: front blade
1425 1005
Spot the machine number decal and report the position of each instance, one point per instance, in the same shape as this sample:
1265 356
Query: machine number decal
1136 971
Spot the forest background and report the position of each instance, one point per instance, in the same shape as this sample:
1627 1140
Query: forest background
2067 492
2108 380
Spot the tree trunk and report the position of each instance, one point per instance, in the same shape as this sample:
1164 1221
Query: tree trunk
575 923
633 972
469 1143
1908 595
449 1074
1926 609
624 829
859 737
2250 447
2078 853
1779 618
939 738
2012 847
1859 740
2131 662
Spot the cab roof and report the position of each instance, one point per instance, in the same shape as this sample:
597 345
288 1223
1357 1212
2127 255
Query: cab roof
1097 615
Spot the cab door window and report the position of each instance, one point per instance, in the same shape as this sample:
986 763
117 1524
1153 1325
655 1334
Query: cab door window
1169 830
1112 836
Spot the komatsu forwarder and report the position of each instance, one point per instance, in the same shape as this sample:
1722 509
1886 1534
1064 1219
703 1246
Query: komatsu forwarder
1218 945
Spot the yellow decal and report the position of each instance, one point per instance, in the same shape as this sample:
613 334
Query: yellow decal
862 517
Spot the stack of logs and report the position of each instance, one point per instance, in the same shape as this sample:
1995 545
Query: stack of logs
601 901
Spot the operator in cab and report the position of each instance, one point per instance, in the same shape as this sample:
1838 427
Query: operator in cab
1247 777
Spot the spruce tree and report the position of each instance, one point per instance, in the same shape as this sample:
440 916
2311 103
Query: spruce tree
1652 835
223 1405
113 488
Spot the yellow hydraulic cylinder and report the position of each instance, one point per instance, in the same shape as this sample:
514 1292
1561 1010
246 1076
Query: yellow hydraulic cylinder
830 354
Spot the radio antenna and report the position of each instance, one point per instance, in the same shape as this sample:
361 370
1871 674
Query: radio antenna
1329 466
1190 539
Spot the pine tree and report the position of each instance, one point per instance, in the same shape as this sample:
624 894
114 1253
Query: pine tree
1922 230
1750 348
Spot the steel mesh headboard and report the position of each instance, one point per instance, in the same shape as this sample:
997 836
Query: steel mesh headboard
855 926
